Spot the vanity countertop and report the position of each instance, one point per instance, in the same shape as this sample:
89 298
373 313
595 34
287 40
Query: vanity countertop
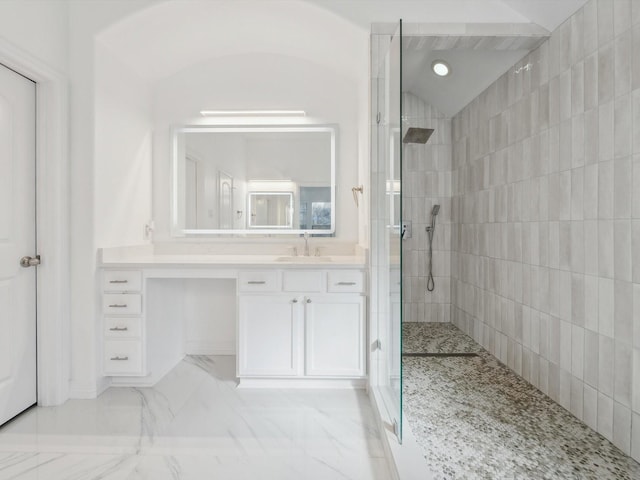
191 260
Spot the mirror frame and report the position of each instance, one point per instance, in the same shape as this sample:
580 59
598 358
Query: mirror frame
179 231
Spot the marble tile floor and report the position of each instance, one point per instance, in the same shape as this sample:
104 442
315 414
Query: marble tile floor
196 425
476 419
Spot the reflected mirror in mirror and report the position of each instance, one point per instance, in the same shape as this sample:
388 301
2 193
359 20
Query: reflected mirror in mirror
253 179
270 210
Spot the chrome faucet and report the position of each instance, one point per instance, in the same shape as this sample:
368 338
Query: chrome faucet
306 244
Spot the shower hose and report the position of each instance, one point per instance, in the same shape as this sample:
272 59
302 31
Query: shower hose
431 285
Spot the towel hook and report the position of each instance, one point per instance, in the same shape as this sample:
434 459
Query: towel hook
355 191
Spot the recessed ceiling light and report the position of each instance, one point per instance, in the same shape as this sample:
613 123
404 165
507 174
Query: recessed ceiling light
440 68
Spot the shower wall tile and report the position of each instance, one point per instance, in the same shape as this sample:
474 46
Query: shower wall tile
545 234
622 427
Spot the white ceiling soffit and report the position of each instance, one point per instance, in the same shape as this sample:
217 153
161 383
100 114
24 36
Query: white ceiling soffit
548 14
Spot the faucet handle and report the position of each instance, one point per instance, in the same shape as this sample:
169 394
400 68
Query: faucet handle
317 252
294 251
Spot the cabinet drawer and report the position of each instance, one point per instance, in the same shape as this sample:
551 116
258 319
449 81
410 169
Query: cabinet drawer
350 281
301 281
121 303
263 281
122 357
122 281
123 327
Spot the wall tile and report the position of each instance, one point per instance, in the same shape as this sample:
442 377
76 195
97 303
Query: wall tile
622 187
635 397
605 365
622 59
605 21
635 48
605 416
606 64
622 249
577 88
590 81
591 344
623 316
590 26
605 248
577 352
606 131
636 191
636 315
635 435
623 367
577 397
591 302
621 16
622 427
590 410
622 126
635 100
606 306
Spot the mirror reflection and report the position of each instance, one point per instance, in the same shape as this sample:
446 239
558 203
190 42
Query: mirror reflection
257 179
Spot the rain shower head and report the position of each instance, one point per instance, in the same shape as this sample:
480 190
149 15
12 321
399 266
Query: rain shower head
435 210
417 135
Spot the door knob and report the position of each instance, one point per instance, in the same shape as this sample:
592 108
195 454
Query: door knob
308 300
27 261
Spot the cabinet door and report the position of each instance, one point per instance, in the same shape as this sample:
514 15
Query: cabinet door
334 343
268 335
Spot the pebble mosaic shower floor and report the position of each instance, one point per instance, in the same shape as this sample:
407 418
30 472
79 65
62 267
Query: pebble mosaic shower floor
476 419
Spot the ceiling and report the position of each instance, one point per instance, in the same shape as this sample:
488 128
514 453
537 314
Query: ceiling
548 14
476 62
475 65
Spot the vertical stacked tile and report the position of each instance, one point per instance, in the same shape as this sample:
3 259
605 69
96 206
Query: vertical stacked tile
545 237
426 181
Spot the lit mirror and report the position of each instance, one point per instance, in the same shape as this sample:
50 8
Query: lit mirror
253 180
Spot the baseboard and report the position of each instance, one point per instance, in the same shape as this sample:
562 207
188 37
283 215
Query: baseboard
349 383
197 347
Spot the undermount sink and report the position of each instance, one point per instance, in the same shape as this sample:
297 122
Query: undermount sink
303 259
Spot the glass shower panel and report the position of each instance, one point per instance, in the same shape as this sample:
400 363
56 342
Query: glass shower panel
386 209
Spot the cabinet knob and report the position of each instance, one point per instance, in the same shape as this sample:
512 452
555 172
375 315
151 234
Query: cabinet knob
295 300
308 300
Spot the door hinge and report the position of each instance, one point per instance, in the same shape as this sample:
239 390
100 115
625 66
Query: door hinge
376 345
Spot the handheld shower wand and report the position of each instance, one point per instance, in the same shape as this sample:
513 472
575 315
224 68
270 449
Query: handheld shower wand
431 285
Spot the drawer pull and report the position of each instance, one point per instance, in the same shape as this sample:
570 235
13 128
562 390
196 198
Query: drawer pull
118 281
256 282
120 359
119 329
346 283
308 300
118 305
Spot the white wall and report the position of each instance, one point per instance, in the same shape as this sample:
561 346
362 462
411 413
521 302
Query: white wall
39 28
122 134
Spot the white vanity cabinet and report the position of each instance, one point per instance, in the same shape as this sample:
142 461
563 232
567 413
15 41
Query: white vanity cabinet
312 325
123 323
268 335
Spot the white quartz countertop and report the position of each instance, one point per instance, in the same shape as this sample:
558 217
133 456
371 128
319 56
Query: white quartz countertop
193 260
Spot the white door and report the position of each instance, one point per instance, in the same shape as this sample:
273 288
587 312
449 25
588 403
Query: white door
334 329
17 239
268 335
